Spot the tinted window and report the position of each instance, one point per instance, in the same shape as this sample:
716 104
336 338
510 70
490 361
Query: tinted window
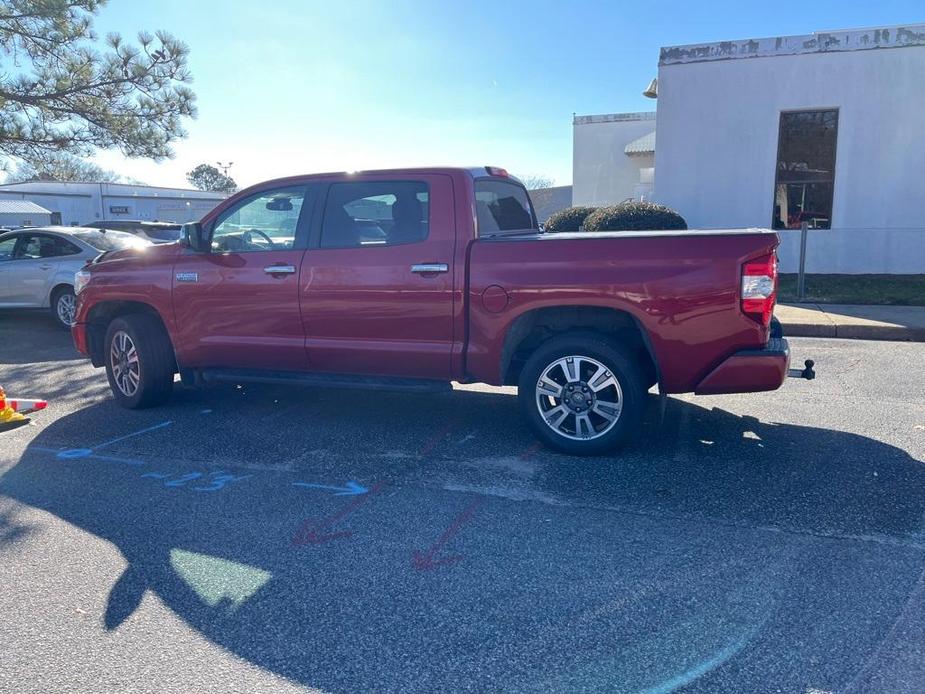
805 169
6 248
375 213
264 222
34 246
502 206
110 240
65 247
163 233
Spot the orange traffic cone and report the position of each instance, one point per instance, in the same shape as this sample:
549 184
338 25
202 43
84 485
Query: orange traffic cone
9 418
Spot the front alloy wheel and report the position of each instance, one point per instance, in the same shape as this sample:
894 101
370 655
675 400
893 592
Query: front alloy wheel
123 359
140 363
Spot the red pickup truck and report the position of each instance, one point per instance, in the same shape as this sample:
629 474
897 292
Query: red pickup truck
410 279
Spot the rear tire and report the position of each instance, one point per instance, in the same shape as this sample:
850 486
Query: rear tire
582 395
139 361
64 306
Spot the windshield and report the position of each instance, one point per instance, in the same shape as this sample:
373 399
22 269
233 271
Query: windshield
110 240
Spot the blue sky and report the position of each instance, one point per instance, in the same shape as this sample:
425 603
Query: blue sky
289 87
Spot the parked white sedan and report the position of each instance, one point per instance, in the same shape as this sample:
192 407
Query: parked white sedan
37 265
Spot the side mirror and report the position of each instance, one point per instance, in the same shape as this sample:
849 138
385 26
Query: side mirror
195 237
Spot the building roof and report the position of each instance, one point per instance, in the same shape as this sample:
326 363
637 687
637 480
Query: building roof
641 145
21 207
899 36
613 117
77 188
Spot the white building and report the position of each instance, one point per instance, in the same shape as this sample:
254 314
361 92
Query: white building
613 157
826 128
22 213
79 203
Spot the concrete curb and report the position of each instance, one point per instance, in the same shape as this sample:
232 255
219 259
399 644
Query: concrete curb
890 323
855 332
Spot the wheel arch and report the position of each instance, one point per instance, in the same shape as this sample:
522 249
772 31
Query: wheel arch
534 327
56 287
103 313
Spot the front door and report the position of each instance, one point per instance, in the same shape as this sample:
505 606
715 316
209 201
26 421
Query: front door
29 274
377 285
238 306
7 246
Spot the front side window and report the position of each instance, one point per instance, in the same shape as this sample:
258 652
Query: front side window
805 182
7 246
265 222
375 213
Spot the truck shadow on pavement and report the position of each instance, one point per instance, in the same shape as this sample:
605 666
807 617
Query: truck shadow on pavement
718 552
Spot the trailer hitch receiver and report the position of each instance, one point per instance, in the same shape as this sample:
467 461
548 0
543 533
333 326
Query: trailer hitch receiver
805 373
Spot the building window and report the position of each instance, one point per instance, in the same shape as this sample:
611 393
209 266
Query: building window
805 169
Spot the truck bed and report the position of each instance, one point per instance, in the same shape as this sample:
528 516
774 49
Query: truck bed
681 287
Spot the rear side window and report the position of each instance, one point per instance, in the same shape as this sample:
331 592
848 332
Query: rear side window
65 247
502 206
375 213
35 246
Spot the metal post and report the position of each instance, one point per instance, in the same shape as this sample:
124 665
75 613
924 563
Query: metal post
801 278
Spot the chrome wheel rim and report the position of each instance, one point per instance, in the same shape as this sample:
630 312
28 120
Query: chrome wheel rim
123 358
65 308
579 398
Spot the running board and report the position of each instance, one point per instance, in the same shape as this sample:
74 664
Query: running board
323 380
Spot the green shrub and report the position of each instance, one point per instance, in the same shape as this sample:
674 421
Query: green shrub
634 216
569 219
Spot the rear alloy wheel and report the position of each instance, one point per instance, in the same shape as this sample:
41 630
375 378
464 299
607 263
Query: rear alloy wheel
64 307
582 395
139 361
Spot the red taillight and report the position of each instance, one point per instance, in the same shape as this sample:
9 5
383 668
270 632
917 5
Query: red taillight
497 171
759 288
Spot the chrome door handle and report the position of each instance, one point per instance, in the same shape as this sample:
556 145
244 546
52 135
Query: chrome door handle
44 267
280 269
424 268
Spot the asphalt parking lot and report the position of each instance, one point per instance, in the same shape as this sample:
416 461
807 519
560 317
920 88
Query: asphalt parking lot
755 543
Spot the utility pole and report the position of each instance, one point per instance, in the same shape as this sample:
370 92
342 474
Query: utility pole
224 166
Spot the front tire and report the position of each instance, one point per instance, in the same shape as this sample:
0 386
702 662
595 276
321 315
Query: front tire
582 394
64 306
139 361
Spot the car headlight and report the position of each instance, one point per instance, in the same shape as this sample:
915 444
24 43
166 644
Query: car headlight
81 280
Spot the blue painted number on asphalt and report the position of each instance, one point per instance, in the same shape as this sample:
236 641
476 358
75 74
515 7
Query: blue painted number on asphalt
212 482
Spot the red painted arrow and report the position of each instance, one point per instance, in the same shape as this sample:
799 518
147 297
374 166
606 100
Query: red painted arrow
313 532
424 561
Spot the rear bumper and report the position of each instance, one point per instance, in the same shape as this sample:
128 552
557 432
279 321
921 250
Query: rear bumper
750 370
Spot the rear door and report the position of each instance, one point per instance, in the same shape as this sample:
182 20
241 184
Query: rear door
377 284
238 306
